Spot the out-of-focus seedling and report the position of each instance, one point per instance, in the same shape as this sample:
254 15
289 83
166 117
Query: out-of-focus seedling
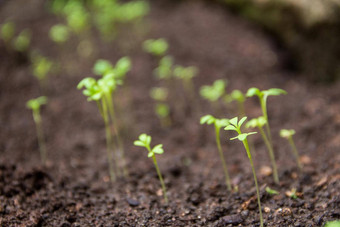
218 123
162 109
156 47
42 66
164 69
214 92
59 33
288 134
271 191
186 75
292 193
263 95
144 140
259 123
239 97
22 42
34 105
7 32
333 223
235 125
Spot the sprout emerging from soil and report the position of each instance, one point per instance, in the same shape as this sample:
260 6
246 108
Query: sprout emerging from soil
263 95
7 32
42 66
218 123
162 109
214 92
156 47
240 98
34 105
288 134
271 191
144 140
59 33
259 123
235 125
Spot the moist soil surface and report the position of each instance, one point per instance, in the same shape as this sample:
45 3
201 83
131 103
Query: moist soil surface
73 188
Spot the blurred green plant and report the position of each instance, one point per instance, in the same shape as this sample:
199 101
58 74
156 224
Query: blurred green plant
162 109
34 105
156 47
288 134
239 97
218 123
59 33
144 140
42 66
164 70
7 31
333 223
22 42
271 191
213 93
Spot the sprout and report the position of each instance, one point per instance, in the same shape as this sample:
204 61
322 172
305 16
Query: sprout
218 123
235 125
42 66
144 140
59 33
159 93
333 224
162 109
34 105
214 92
106 69
156 47
7 31
259 123
164 70
271 191
22 41
288 134
239 97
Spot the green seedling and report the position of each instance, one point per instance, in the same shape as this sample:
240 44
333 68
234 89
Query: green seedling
271 191
186 75
7 31
292 193
164 69
106 69
162 109
263 95
59 33
34 105
218 123
333 224
259 123
42 66
235 125
288 134
156 47
22 41
239 97
214 92
144 140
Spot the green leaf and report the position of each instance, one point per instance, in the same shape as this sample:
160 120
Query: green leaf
159 93
335 223
274 92
234 121
271 191
35 104
150 154
241 121
230 127
253 91
286 133
101 67
252 123
222 122
139 143
237 95
145 138
157 47
158 149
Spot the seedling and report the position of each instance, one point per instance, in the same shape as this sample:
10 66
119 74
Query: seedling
218 123
259 123
7 32
22 41
263 95
239 97
164 70
288 134
156 47
271 191
59 33
144 140
292 193
235 125
34 105
333 224
162 109
42 66
214 92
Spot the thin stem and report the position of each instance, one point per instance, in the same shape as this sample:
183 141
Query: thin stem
160 178
40 135
225 169
108 141
271 154
245 143
295 152
116 131
265 114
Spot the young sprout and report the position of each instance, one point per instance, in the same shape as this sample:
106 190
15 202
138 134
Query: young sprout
162 109
7 31
214 92
259 123
42 66
288 134
271 191
263 95
106 69
235 125
156 47
59 33
218 123
22 41
34 105
335 223
164 69
144 140
239 97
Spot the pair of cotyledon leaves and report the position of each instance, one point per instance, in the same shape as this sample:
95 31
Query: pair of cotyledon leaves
265 93
35 104
215 91
144 140
105 68
233 124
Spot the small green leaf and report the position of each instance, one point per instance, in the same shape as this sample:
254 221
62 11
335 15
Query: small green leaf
139 143
101 67
333 223
221 122
286 133
150 154
271 191
241 121
274 92
253 123
233 121
230 127
158 149
237 95
253 91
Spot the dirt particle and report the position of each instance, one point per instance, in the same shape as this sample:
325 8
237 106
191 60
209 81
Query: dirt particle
132 202
266 209
232 219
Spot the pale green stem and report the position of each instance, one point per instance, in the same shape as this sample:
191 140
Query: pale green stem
271 154
108 141
225 168
295 151
245 143
119 141
265 115
40 135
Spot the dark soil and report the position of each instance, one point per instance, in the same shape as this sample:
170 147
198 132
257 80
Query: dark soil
73 189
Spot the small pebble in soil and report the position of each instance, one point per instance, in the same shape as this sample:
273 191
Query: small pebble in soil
132 202
266 209
232 219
